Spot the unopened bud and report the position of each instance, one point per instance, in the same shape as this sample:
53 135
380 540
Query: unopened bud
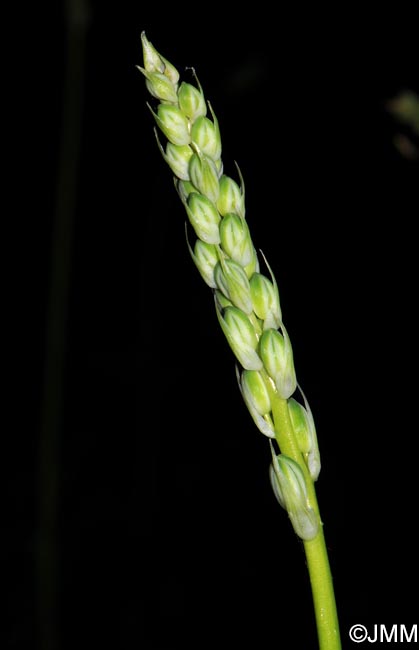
173 123
178 157
289 486
155 62
184 188
206 135
231 198
265 301
204 218
240 335
205 257
191 101
203 174
233 283
276 353
222 301
305 433
256 396
159 86
235 239
219 166
299 422
253 266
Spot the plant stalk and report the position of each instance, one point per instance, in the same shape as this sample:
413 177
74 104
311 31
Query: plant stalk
315 549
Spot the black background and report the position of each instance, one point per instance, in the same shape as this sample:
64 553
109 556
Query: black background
168 533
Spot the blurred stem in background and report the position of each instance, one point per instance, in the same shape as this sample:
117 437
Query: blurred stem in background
404 107
77 19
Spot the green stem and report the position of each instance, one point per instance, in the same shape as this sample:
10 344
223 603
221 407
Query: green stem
315 549
323 594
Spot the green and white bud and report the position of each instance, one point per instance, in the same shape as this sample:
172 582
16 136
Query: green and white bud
298 416
265 299
205 257
191 101
217 135
256 396
289 486
276 353
240 335
253 266
204 218
231 198
313 458
155 62
232 281
235 239
305 433
159 86
173 123
184 188
178 157
206 135
204 175
257 324
222 301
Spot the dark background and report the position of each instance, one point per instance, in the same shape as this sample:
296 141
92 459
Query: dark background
165 530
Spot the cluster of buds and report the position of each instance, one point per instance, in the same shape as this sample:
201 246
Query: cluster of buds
246 301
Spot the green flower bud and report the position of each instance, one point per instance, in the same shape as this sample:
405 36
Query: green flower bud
204 218
203 174
289 486
305 432
178 157
205 257
207 137
219 166
253 266
184 188
191 101
313 459
155 62
222 301
240 335
233 283
173 123
159 86
235 239
255 394
298 416
255 386
276 352
231 198
256 324
265 299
